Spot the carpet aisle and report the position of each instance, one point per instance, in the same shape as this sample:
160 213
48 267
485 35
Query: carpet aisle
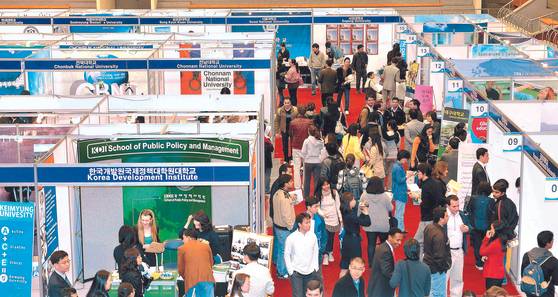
472 277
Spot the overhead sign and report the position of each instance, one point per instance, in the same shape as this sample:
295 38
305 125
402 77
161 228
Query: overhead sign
551 188
25 21
479 109
95 20
513 142
355 19
85 64
16 248
423 51
268 20
182 21
191 64
437 66
541 159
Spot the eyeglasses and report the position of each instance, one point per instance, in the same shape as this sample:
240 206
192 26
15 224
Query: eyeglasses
357 268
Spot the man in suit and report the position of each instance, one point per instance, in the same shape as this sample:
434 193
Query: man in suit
479 170
383 265
58 280
352 284
391 77
328 82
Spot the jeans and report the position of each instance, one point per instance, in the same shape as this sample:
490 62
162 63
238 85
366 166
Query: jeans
299 281
314 75
360 76
285 144
490 282
419 235
438 284
400 214
311 170
201 289
389 166
267 179
280 90
455 273
344 91
476 241
372 238
297 163
279 238
293 94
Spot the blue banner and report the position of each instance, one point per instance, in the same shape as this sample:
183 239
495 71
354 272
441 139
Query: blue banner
182 21
541 159
443 27
16 248
51 221
501 120
193 64
492 50
106 46
268 20
16 175
25 21
93 64
133 174
96 20
356 19
473 68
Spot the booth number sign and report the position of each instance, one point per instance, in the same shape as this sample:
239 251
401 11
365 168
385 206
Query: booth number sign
551 188
423 51
436 66
455 85
513 142
479 110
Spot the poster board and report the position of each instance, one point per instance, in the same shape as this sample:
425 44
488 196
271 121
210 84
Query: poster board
242 238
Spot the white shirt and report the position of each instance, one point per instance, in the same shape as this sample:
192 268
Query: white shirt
261 283
454 230
390 247
301 253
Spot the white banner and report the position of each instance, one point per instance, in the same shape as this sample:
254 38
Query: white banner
466 160
215 80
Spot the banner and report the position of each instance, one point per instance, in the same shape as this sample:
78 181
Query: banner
296 37
16 248
454 93
467 158
425 95
492 50
450 118
478 122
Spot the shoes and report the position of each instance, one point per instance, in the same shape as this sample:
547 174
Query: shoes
346 112
313 93
330 256
286 276
480 268
325 262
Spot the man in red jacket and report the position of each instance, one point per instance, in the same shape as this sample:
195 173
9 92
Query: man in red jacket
298 132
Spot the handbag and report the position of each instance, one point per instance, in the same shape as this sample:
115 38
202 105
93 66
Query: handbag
339 129
367 170
349 79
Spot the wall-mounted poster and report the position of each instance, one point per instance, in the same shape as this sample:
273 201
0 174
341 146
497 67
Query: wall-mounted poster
348 37
242 238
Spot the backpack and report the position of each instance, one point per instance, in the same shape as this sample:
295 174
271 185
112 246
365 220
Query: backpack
352 182
337 164
532 278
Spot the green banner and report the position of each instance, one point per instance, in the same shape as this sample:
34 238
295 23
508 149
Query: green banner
197 149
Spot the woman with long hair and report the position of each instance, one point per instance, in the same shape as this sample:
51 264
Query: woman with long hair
126 290
350 144
147 233
129 271
380 209
440 173
101 284
432 119
240 286
344 80
329 116
127 238
311 149
352 220
492 250
329 206
391 138
423 146
203 225
293 80
374 155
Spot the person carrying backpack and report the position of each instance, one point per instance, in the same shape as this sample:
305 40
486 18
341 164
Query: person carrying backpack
332 164
351 179
539 268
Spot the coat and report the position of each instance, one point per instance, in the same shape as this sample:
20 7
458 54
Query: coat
419 283
549 267
412 129
341 79
320 231
375 160
381 272
328 80
391 76
478 175
399 182
345 287
56 284
451 158
494 264
280 123
505 211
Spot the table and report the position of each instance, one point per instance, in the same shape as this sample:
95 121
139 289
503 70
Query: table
158 288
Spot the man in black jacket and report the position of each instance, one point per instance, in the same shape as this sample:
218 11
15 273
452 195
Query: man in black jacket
479 170
58 279
360 64
383 265
437 252
545 241
352 283
432 195
504 210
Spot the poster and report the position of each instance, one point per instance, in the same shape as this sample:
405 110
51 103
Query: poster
478 123
494 90
349 37
242 238
16 257
425 95
450 118
492 51
467 158
296 37
454 93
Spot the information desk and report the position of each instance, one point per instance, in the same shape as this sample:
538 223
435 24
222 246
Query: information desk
158 288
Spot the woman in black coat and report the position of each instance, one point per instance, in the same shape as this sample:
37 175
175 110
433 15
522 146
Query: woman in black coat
344 84
129 271
329 117
351 223
128 238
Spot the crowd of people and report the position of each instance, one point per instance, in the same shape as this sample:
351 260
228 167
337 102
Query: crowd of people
350 173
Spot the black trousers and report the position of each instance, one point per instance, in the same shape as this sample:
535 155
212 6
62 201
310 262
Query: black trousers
476 241
360 76
490 282
372 239
330 239
324 98
293 95
285 144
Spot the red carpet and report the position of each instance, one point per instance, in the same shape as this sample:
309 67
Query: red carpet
472 277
